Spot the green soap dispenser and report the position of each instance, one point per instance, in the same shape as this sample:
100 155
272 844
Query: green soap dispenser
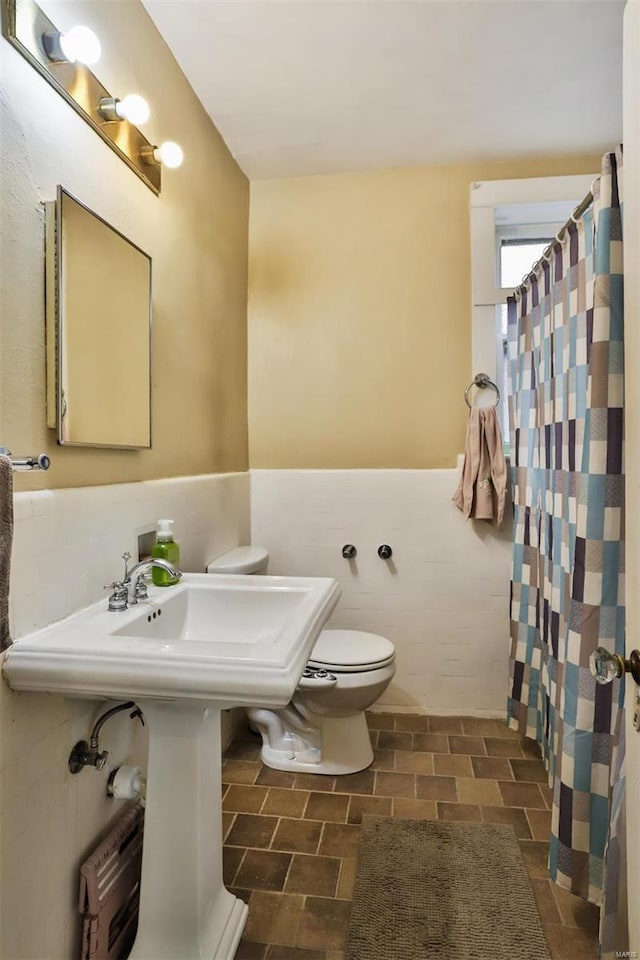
165 548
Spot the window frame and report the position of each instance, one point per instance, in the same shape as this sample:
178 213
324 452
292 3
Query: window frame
487 228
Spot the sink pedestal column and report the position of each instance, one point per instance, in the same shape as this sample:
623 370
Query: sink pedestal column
185 911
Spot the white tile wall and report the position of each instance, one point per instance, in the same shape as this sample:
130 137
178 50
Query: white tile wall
67 544
443 600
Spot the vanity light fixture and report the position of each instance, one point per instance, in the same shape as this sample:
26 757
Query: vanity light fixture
169 154
62 58
78 45
133 108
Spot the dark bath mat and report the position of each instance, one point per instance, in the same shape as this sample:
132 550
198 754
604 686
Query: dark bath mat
435 890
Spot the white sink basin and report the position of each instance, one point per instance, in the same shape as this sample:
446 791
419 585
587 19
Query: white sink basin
228 640
219 613
209 642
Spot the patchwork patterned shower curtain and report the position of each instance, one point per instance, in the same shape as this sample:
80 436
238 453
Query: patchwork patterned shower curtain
566 386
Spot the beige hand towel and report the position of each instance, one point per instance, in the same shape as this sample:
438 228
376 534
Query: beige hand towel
483 484
6 538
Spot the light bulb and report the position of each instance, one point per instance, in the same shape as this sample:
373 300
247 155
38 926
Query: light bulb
80 44
169 154
133 108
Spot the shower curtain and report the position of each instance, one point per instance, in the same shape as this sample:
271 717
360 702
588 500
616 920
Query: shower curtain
566 402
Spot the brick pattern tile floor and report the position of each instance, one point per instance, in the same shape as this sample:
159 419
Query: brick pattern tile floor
291 839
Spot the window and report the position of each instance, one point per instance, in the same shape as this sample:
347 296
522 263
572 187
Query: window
515 255
512 221
515 258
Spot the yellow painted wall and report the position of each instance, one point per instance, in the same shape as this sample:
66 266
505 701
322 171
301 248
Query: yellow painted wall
360 317
196 233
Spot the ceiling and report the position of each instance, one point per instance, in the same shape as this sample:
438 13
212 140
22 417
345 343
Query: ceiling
300 87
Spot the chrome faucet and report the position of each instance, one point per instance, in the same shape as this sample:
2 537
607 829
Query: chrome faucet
136 587
132 587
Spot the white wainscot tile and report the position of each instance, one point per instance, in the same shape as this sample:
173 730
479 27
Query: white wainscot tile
43 502
346 619
26 613
449 579
22 506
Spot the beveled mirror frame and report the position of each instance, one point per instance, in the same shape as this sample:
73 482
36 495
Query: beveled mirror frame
23 25
55 322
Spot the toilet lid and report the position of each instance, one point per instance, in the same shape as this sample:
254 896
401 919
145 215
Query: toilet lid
243 560
351 650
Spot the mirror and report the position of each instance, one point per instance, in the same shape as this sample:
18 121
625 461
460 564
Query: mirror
98 330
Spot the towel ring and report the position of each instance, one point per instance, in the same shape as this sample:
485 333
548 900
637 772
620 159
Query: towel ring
481 380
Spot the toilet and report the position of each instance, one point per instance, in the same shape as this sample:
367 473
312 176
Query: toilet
323 729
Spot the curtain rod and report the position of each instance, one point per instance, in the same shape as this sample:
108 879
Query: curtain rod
582 207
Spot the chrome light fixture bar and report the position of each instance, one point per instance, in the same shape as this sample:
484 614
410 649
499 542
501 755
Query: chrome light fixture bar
29 30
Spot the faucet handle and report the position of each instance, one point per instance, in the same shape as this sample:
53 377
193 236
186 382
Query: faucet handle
141 589
118 598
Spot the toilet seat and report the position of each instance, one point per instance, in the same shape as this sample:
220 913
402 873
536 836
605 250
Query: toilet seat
351 651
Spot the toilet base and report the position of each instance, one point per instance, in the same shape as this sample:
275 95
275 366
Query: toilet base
341 744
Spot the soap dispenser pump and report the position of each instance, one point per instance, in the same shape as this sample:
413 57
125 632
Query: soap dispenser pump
165 548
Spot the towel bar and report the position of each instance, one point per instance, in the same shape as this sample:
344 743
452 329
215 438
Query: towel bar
481 380
39 462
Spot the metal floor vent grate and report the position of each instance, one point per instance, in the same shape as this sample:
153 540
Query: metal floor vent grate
110 890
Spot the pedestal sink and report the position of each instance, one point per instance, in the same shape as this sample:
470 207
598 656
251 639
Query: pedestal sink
186 653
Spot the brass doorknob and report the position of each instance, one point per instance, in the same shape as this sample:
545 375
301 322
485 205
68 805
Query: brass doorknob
607 667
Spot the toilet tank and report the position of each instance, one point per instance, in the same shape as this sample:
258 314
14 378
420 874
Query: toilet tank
241 560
